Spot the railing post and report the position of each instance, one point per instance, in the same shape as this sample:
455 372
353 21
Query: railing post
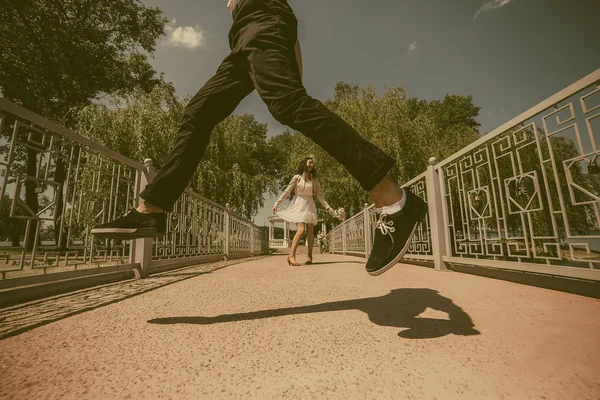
332 245
344 238
436 219
367 229
141 249
227 231
251 226
286 234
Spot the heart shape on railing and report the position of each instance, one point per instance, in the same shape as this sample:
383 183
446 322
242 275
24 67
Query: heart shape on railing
522 191
583 188
479 203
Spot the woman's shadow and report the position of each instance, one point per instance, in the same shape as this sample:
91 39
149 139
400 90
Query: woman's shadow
400 308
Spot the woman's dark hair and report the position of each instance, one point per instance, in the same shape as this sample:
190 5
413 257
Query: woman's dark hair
302 167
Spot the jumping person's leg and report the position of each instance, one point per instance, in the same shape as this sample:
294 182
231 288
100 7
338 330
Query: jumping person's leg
277 80
216 100
274 72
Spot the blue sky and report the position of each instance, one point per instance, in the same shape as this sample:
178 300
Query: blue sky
508 54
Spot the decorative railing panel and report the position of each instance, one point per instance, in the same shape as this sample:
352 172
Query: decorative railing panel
530 192
261 241
355 233
420 245
526 196
55 185
239 235
195 227
337 239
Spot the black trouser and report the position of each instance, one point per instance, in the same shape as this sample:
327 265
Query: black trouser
262 40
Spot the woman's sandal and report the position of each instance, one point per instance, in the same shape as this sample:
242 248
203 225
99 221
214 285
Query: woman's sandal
295 264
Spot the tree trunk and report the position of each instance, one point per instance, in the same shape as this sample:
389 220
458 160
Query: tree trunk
14 237
59 176
31 197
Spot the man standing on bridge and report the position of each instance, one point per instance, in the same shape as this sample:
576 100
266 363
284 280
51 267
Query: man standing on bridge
265 55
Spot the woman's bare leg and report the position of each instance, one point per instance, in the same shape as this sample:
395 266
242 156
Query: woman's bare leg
310 238
296 241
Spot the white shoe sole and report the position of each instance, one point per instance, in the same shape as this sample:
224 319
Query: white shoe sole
112 230
126 233
399 256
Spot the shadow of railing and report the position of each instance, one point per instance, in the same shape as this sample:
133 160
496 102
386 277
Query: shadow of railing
19 319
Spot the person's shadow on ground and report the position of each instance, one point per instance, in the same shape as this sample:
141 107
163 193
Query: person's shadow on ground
400 308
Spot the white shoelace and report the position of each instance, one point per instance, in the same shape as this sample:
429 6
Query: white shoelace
386 227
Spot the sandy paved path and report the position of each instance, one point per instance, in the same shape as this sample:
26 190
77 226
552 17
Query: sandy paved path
264 330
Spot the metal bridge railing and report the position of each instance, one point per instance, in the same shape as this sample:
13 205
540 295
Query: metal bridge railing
55 185
524 197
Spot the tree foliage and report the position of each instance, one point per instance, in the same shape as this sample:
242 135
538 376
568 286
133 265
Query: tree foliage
137 124
61 55
10 228
56 55
238 154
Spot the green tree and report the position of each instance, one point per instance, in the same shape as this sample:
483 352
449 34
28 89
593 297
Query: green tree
454 110
137 124
56 55
60 55
238 153
10 228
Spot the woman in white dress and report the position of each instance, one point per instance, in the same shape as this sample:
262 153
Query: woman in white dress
302 211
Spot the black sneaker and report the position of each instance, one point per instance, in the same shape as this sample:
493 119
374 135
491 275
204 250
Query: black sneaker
133 225
393 234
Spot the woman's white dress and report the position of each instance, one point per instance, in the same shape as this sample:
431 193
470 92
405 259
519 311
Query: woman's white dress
302 209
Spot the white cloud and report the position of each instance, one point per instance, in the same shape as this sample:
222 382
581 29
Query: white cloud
184 36
413 47
491 5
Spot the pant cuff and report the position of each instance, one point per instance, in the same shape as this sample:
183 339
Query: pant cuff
369 183
157 201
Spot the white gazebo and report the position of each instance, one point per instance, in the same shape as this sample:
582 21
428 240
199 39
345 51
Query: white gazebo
279 243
